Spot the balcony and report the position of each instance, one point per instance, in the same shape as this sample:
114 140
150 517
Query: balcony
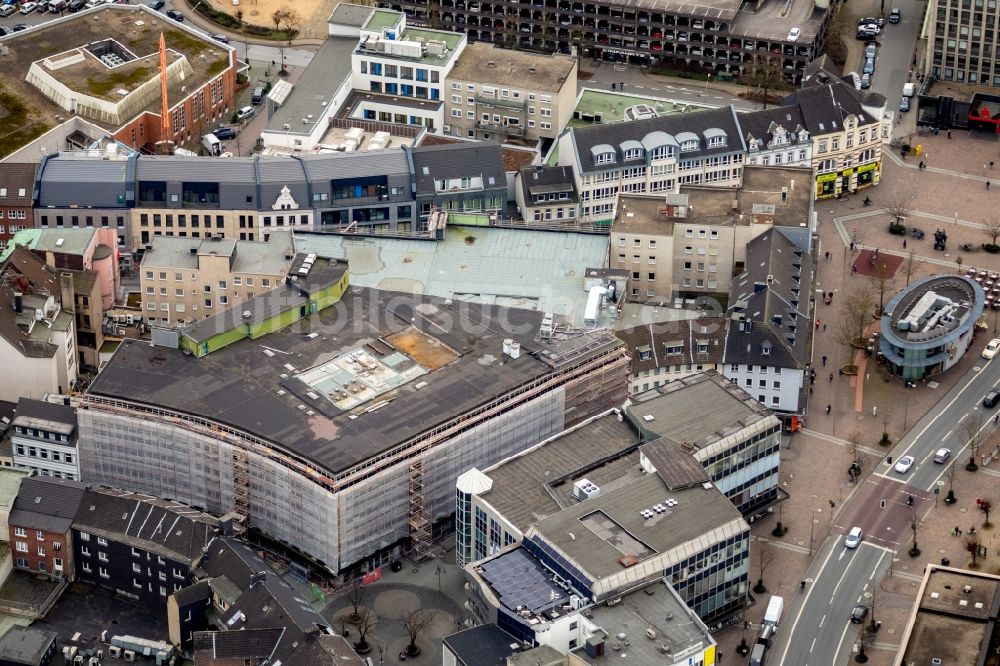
501 102
500 128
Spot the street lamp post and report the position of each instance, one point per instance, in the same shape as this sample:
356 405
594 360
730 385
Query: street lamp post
812 528
381 652
892 540
707 79
438 570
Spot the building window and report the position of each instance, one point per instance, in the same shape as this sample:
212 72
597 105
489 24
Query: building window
86 567
20 531
102 556
102 572
22 547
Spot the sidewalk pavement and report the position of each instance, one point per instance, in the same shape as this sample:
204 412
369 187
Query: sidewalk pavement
814 465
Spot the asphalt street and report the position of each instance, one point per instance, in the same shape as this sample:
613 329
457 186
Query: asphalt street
840 577
895 53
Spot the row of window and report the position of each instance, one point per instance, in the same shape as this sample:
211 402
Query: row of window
238 281
88 219
490 91
39 535
41 434
834 142
22 547
45 454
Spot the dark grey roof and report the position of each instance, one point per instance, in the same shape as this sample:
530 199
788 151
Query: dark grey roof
649 343
541 179
192 594
250 644
16 177
239 384
352 15
773 293
482 645
312 95
825 107
84 181
675 464
39 279
6 415
658 131
183 168
167 528
760 125
231 559
26 645
459 160
46 411
47 504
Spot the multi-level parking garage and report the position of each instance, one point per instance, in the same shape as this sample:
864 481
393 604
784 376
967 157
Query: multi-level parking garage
725 37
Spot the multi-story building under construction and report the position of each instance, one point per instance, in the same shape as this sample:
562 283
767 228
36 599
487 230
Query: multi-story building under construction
337 419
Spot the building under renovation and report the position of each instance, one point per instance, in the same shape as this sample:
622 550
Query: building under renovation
336 419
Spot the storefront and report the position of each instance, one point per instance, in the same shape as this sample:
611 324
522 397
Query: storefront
832 184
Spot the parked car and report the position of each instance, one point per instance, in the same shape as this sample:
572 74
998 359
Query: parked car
18 27
157 4
894 15
871 21
224 133
866 80
76 5
904 464
245 113
220 38
870 51
992 398
869 66
942 455
175 15
865 33
904 104
991 348
853 538
29 7
859 614
7 10
794 34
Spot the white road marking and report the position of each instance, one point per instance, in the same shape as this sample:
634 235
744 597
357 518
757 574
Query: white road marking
947 435
813 644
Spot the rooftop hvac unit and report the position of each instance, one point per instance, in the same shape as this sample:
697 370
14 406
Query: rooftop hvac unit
115 651
585 490
129 655
507 342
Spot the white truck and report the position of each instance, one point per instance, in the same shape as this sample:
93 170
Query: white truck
212 144
908 89
772 616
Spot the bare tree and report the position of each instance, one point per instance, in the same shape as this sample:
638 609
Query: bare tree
857 308
972 545
290 22
991 229
881 280
762 74
958 262
898 208
415 624
765 557
364 624
357 595
972 433
914 526
950 472
910 266
986 506
277 17
873 604
854 442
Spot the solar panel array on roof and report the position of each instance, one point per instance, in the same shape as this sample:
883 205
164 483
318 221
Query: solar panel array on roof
521 583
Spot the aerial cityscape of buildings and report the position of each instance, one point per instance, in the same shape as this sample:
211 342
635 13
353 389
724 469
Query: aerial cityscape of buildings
477 333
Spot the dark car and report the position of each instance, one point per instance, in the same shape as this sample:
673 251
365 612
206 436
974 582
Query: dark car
224 133
992 398
859 614
157 4
76 5
904 104
175 15
220 38
19 27
894 15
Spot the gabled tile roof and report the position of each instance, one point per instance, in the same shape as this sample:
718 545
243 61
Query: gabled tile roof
696 122
545 179
649 343
760 125
825 107
199 592
773 294
47 504
168 528
252 644
24 272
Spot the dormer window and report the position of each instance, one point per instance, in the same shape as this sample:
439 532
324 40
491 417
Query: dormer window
631 150
674 348
702 346
633 154
753 144
715 137
603 154
645 353
765 349
689 146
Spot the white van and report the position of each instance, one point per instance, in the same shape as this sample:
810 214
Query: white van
908 89
212 144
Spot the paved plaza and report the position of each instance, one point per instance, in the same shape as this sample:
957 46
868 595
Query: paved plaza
949 194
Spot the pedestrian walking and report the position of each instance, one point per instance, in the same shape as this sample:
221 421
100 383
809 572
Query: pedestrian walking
612 86
987 186
621 86
996 417
852 246
817 324
828 408
810 389
949 134
904 243
959 531
831 377
828 255
954 531
824 328
824 360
